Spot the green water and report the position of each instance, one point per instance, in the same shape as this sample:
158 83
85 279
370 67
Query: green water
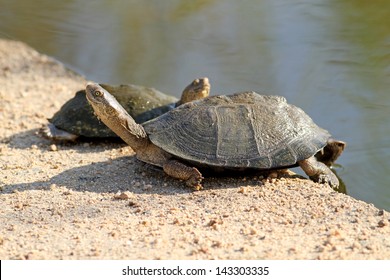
331 58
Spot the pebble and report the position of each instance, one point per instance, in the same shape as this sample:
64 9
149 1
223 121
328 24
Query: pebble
383 223
242 190
252 231
53 148
123 195
133 204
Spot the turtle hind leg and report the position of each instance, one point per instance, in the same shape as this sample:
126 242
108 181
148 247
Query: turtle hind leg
319 172
181 171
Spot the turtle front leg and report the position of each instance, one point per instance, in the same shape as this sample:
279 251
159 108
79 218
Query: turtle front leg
178 170
319 172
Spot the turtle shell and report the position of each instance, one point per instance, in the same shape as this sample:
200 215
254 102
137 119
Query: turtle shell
243 130
77 117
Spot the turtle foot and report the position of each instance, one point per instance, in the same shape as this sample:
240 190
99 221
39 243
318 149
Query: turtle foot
329 179
179 170
319 172
195 180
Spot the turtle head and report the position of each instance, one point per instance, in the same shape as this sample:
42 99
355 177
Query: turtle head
198 89
113 115
102 101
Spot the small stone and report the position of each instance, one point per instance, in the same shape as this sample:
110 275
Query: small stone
53 148
19 206
320 248
55 166
335 248
123 195
133 204
292 250
383 223
214 223
67 192
203 250
241 190
243 249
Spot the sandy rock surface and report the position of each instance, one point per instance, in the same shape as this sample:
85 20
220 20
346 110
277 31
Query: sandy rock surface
96 201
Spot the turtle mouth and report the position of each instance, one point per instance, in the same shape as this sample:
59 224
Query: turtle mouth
91 100
87 96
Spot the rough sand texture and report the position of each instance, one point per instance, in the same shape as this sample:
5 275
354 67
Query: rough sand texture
61 201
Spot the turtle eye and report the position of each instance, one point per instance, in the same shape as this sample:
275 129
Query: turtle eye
98 93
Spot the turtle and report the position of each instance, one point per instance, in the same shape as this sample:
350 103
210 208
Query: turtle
237 132
76 118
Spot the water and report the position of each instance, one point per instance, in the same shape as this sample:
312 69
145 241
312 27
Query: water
331 58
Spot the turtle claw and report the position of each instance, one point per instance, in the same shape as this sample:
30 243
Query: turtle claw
329 179
190 175
195 180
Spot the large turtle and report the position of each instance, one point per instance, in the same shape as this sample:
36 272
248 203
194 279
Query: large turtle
76 118
233 132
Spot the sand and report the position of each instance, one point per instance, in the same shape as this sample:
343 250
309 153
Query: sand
91 200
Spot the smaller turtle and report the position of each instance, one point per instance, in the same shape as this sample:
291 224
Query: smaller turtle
76 117
239 132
